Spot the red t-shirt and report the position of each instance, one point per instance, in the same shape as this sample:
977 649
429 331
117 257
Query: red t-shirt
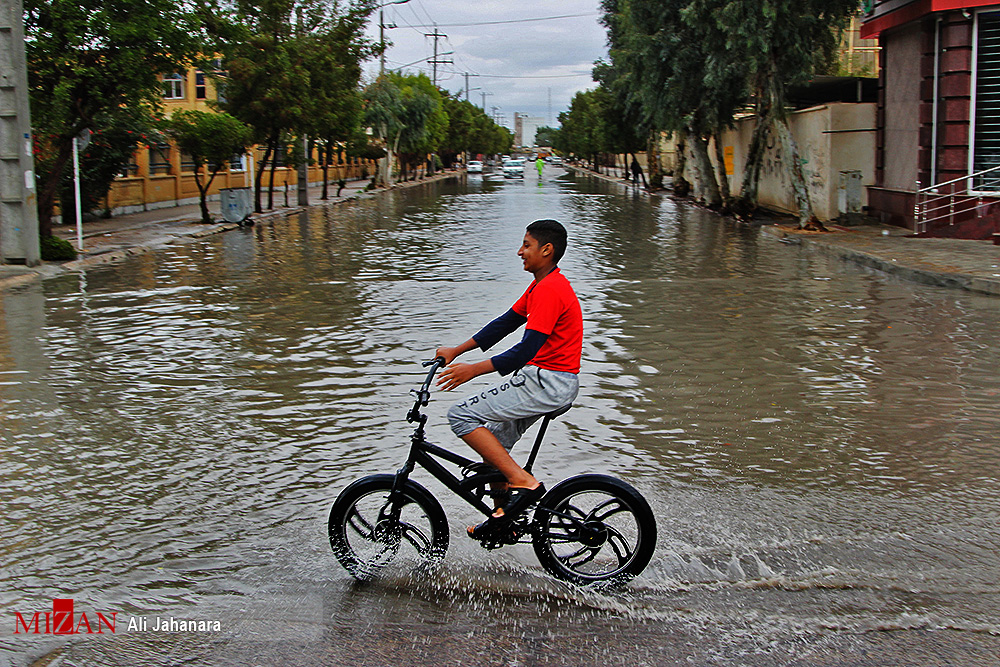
552 308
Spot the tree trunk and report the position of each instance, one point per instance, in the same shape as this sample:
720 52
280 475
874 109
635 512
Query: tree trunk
796 176
653 161
50 187
325 156
270 184
682 188
202 195
707 187
720 158
259 178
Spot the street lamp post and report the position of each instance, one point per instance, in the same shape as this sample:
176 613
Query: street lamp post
381 30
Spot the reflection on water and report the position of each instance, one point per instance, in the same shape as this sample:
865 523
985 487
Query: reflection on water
819 443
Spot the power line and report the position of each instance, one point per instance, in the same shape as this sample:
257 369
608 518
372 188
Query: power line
540 76
540 18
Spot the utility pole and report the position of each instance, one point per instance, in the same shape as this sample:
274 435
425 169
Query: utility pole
381 30
436 61
18 200
484 94
467 75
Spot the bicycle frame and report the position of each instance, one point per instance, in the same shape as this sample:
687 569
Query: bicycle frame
425 454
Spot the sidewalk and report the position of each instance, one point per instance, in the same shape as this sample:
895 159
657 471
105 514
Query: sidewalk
955 263
136 233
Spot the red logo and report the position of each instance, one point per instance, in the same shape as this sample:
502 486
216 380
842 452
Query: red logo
62 621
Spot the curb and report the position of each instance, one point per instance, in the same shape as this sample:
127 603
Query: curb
27 275
956 280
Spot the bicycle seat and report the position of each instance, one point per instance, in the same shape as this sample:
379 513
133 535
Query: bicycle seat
558 413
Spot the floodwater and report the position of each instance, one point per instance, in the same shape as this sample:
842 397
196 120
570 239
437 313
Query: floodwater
821 444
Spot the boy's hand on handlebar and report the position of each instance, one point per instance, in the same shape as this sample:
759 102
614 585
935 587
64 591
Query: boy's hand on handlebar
447 353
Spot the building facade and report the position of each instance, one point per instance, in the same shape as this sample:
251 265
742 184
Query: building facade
161 176
938 118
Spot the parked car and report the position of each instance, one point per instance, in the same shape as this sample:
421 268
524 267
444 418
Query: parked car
474 167
555 159
513 169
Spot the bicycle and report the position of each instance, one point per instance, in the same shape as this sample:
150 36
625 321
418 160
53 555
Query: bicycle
589 529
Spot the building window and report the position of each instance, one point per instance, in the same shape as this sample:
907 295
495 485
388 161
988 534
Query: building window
237 162
187 163
986 105
173 86
130 169
199 85
159 159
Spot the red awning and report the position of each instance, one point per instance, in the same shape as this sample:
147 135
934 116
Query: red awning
871 28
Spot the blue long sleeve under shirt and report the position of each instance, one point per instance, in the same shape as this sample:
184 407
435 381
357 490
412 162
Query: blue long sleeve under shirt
520 354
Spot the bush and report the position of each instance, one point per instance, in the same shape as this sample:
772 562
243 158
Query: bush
55 249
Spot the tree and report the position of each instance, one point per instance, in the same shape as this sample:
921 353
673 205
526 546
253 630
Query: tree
88 58
285 60
545 135
666 77
424 121
777 43
211 139
406 112
383 110
116 135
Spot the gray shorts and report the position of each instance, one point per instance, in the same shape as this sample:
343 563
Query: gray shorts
510 406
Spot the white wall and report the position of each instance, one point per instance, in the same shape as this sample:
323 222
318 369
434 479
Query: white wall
831 138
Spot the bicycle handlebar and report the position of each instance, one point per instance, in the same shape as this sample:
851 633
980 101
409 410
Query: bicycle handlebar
424 394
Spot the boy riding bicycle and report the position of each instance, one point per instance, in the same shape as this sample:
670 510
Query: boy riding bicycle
545 366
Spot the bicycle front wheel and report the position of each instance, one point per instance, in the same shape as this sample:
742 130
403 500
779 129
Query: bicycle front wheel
594 529
366 534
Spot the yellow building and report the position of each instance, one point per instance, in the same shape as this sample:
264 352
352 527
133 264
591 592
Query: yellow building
163 176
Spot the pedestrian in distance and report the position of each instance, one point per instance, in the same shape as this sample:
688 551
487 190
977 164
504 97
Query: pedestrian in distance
636 170
539 164
539 375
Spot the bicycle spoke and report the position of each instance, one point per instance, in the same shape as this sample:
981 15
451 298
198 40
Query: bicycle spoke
354 519
568 559
613 505
415 537
620 545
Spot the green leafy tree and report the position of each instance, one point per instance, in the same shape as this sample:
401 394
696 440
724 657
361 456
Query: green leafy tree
406 112
779 43
545 135
471 130
383 113
424 121
116 135
91 58
287 64
211 139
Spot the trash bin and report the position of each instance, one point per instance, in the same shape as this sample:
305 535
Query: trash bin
235 204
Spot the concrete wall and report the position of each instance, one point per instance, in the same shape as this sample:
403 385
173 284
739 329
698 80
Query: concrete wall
903 56
145 191
831 138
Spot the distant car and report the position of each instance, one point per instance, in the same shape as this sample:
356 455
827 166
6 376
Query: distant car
555 159
513 169
474 167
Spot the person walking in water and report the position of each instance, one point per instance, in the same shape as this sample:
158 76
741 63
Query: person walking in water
539 164
545 366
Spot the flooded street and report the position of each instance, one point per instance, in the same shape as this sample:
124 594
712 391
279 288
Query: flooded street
819 443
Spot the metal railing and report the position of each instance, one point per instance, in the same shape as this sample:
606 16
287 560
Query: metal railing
954 200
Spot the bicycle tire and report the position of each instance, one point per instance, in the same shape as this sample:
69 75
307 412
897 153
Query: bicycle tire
594 530
364 543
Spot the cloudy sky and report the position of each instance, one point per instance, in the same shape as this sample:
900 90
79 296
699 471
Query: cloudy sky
527 66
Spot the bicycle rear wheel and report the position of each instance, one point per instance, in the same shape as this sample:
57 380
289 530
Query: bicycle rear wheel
594 529
366 536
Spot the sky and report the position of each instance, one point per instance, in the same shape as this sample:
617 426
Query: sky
524 66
